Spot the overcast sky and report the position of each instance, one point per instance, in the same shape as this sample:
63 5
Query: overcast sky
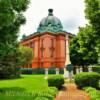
70 12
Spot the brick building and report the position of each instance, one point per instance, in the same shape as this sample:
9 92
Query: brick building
49 43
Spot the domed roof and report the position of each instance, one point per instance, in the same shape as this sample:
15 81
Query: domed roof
50 23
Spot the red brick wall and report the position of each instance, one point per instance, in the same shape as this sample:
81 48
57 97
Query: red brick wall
49 50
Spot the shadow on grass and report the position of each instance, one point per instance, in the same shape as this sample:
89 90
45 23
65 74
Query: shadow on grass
3 79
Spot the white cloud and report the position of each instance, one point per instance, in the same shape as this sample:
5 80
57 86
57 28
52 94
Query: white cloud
70 12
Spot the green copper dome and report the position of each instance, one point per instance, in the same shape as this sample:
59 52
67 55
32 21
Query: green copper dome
50 23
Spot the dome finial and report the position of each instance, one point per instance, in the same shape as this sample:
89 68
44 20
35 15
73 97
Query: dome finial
50 23
50 12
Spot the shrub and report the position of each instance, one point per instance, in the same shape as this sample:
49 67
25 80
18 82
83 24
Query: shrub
48 94
61 71
41 98
56 81
53 91
87 79
96 69
40 71
52 70
94 94
26 70
32 70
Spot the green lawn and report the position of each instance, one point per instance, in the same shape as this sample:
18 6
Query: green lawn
26 82
13 88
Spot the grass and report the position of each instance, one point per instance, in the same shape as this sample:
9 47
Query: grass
23 88
26 82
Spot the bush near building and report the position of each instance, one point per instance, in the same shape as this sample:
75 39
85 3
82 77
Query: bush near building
56 81
85 79
96 68
40 70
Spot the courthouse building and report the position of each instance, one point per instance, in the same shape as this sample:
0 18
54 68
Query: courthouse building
49 44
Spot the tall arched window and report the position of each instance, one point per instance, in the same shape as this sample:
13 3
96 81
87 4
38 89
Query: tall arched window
42 48
52 47
31 44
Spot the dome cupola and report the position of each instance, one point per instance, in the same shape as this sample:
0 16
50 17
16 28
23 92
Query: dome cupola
50 23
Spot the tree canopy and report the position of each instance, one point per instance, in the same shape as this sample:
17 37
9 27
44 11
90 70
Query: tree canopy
11 18
82 48
85 47
26 55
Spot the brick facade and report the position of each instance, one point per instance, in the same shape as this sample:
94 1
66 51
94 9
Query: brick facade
49 49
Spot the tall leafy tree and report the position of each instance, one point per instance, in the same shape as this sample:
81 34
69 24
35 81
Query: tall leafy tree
11 18
82 48
74 55
92 12
88 38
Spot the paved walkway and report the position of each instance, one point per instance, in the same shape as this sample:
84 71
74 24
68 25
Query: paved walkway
70 92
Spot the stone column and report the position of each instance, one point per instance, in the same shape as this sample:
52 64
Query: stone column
70 76
46 73
77 70
67 60
90 68
67 51
66 73
81 69
57 71
72 72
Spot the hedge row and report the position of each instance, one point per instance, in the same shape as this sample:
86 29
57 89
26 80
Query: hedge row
85 79
96 69
40 70
94 94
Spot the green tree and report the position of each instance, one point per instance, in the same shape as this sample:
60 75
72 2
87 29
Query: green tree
11 18
86 42
88 38
75 57
82 48
26 55
92 13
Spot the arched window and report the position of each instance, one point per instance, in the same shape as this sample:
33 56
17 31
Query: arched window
42 48
52 47
31 44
